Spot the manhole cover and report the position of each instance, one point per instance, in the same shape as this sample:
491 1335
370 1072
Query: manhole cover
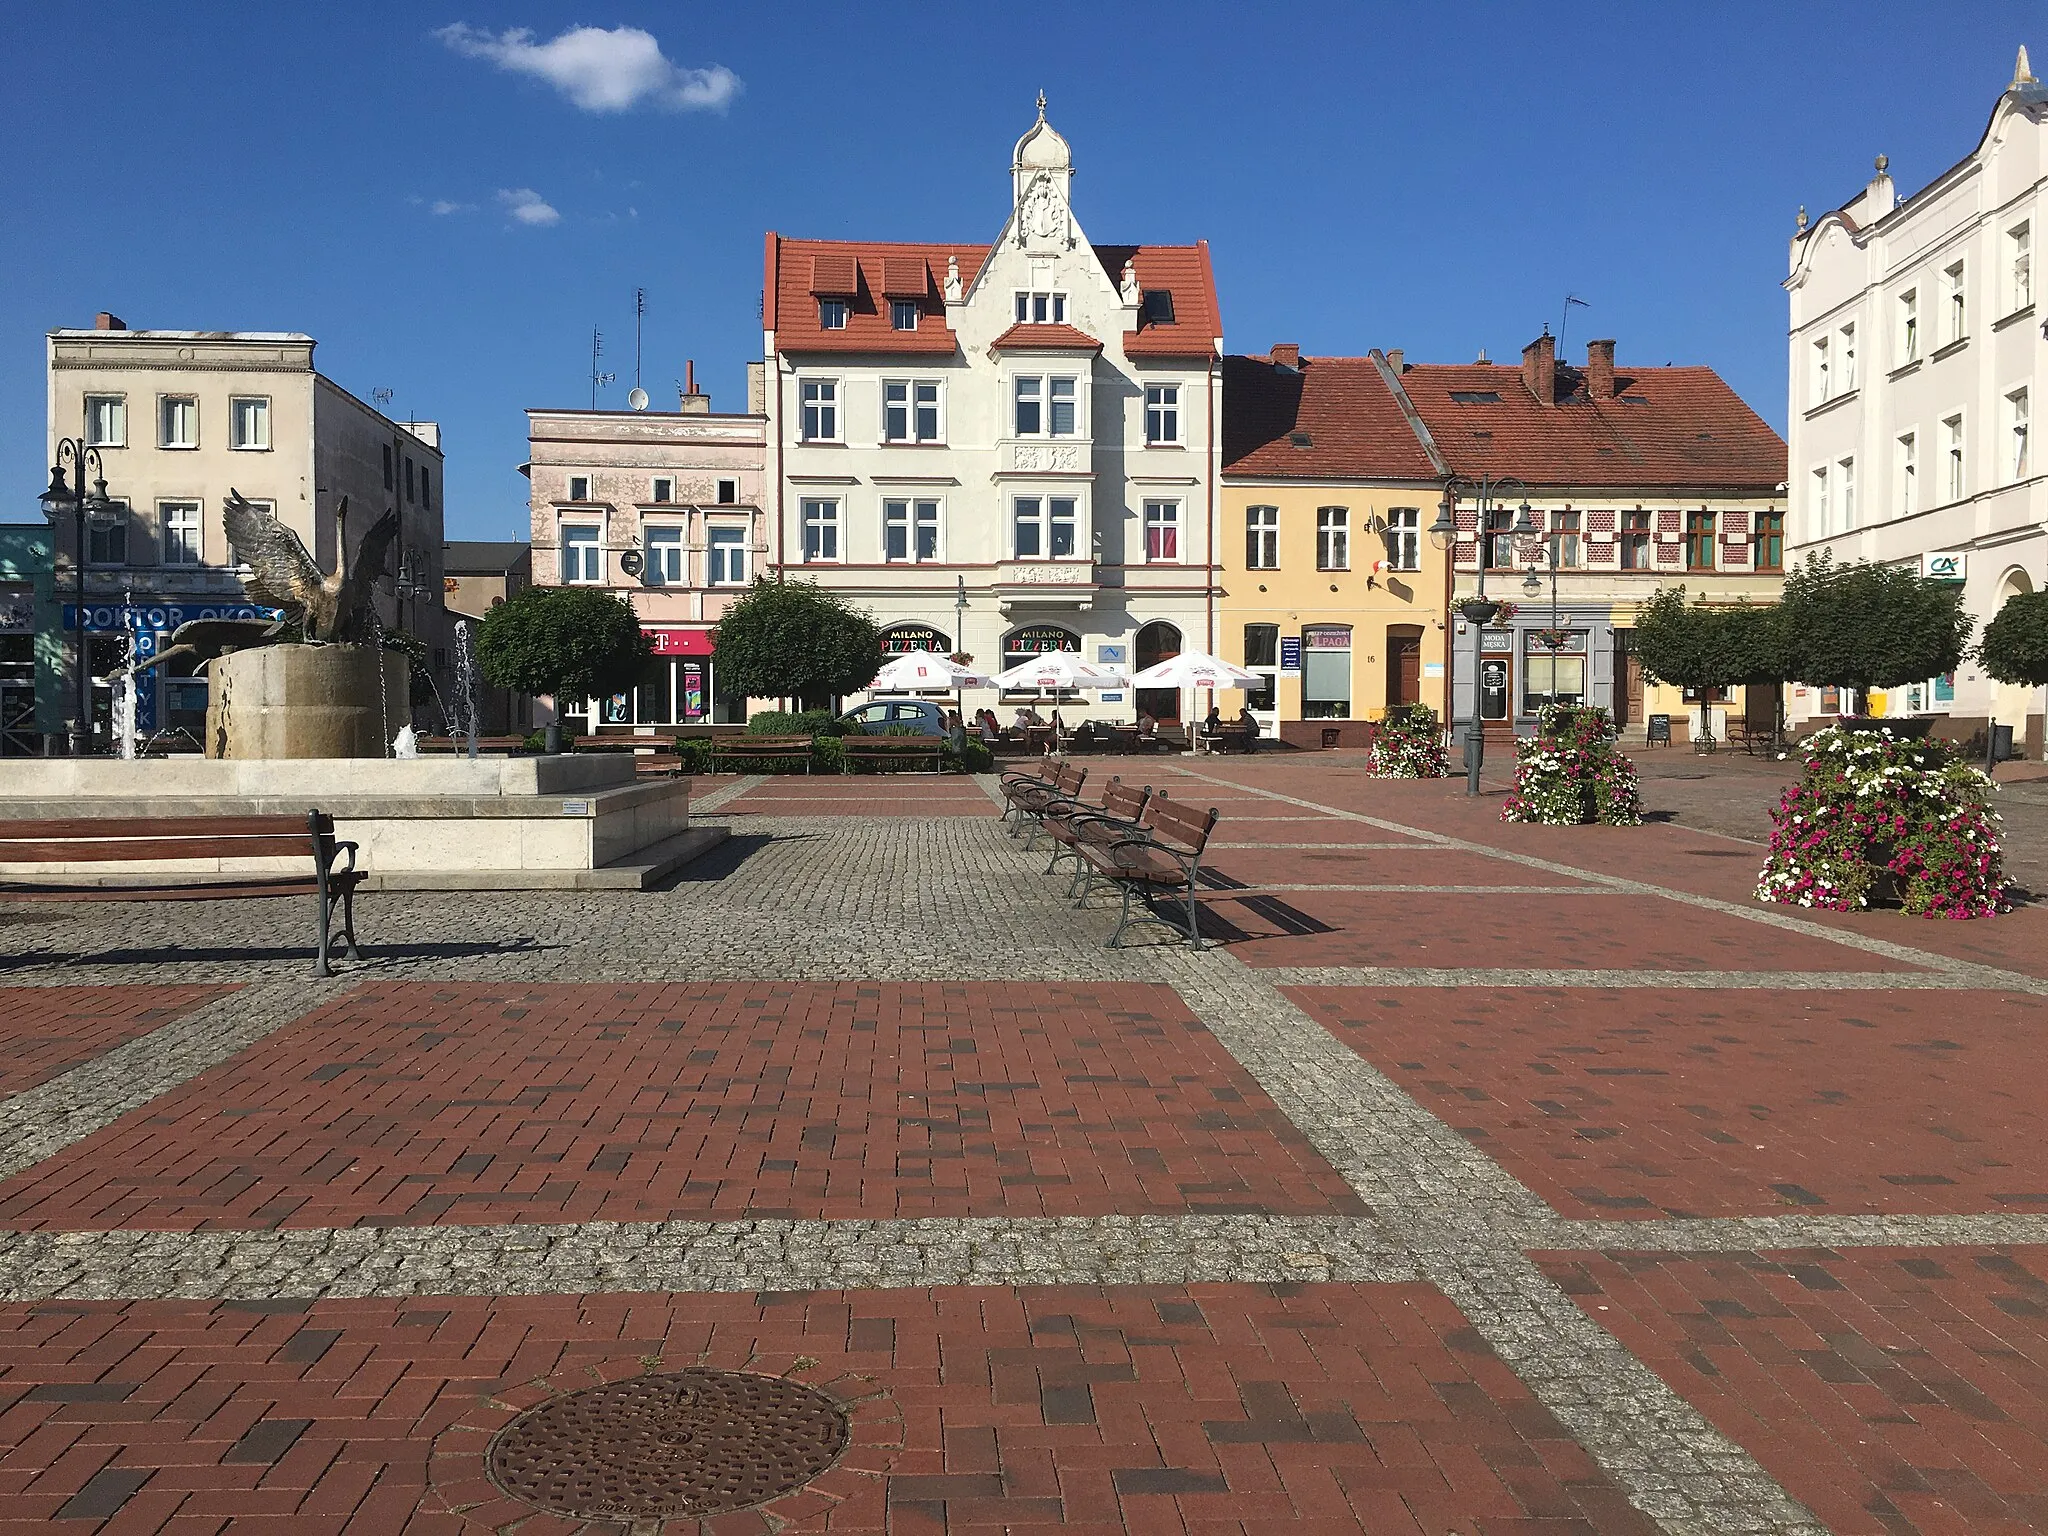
694 1443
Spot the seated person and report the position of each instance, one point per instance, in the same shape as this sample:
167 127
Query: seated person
1148 728
1027 716
1248 723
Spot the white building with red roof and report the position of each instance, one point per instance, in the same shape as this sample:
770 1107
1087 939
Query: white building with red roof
1007 448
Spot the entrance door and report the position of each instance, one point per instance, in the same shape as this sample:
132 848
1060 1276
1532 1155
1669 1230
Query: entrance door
1494 692
1157 642
17 719
1628 698
1404 668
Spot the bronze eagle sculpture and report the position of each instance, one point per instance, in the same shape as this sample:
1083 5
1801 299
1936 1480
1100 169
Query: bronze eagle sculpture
330 609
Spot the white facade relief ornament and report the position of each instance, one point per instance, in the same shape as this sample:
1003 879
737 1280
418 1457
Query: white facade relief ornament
1129 289
1047 575
1042 220
953 289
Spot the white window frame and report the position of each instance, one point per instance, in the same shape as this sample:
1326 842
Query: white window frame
818 413
1163 426
179 518
1262 538
1046 523
1906 459
1846 355
725 543
579 489
2018 429
1333 539
833 314
1821 378
1163 513
163 421
1571 542
1823 509
898 308
2019 241
821 530
1956 456
1062 389
116 434
913 516
577 572
121 521
1909 326
1041 306
1404 538
919 398
662 492
261 413
668 539
1956 301
1846 494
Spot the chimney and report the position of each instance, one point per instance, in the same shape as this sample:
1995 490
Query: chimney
1539 368
1600 370
757 389
106 322
1397 359
1287 355
693 404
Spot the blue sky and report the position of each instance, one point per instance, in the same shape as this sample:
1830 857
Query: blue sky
1431 177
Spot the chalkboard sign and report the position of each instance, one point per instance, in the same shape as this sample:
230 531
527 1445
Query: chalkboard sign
1660 730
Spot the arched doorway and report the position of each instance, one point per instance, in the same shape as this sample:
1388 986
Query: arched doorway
1156 642
2011 703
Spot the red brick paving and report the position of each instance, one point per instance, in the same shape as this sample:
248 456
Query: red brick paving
1607 931
1646 1104
1418 865
1890 1390
423 1103
1197 1410
48 1030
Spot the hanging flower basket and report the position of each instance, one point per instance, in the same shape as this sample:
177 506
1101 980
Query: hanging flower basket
1503 612
1553 639
1479 610
1878 820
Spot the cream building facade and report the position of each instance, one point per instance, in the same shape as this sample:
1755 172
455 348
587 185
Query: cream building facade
665 509
1002 449
1915 344
180 419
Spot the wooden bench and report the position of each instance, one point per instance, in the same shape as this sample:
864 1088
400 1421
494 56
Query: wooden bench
461 743
1161 856
114 840
1076 824
1027 795
881 750
760 749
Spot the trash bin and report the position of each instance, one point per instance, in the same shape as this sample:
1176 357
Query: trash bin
2001 744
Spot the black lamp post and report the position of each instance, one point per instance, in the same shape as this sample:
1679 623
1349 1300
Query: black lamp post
1477 610
72 496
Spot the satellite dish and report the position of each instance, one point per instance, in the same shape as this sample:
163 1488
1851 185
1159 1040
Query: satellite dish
637 399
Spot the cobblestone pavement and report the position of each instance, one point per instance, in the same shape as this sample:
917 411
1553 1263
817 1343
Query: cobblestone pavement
1473 1178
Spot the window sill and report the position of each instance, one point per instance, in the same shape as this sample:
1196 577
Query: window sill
1833 402
178 447
1903 369
2019 314
249 448
1149 443
1950 350
821 442
911 442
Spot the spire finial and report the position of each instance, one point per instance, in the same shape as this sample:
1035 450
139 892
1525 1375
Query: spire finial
2022 72
1041 103
1881 162
1802 218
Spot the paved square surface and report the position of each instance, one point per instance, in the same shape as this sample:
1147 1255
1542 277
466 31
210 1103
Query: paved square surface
1891 1390
420 1104
48 1030
1198 1409
893 794
1635 1103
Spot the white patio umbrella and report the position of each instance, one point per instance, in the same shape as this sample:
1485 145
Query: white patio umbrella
1195 669
1060 669
925 671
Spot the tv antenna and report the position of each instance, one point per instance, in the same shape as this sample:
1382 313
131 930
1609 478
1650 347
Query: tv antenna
598 379
381 397
637 399
1569 300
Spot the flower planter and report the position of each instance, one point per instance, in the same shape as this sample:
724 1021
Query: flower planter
1905 728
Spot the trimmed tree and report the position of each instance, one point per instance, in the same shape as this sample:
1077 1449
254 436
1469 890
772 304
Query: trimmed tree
1704 648
792 640
1862 626
2015 644
567 642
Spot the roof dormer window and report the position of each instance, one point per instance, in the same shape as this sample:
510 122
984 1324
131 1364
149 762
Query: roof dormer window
831 314
903 314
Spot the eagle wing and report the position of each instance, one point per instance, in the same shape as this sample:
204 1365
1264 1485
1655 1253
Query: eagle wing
281 573
364 572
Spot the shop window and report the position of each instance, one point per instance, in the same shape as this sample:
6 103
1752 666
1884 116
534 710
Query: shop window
1326 672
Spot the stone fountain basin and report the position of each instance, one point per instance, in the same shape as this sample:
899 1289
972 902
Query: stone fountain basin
430 823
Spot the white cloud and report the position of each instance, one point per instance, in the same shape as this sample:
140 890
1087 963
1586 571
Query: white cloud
441 205
599 70
528 206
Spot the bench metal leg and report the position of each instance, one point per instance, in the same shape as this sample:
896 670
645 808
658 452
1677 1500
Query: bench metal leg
348 922
321 967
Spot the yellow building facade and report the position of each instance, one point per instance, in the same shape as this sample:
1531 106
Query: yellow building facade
1331 589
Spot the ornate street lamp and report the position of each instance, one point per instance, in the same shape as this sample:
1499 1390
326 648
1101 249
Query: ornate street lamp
72 496
1477 610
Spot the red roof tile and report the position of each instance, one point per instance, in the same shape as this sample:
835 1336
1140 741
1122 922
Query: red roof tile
793 269
1354 427
1023 337
1664 428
